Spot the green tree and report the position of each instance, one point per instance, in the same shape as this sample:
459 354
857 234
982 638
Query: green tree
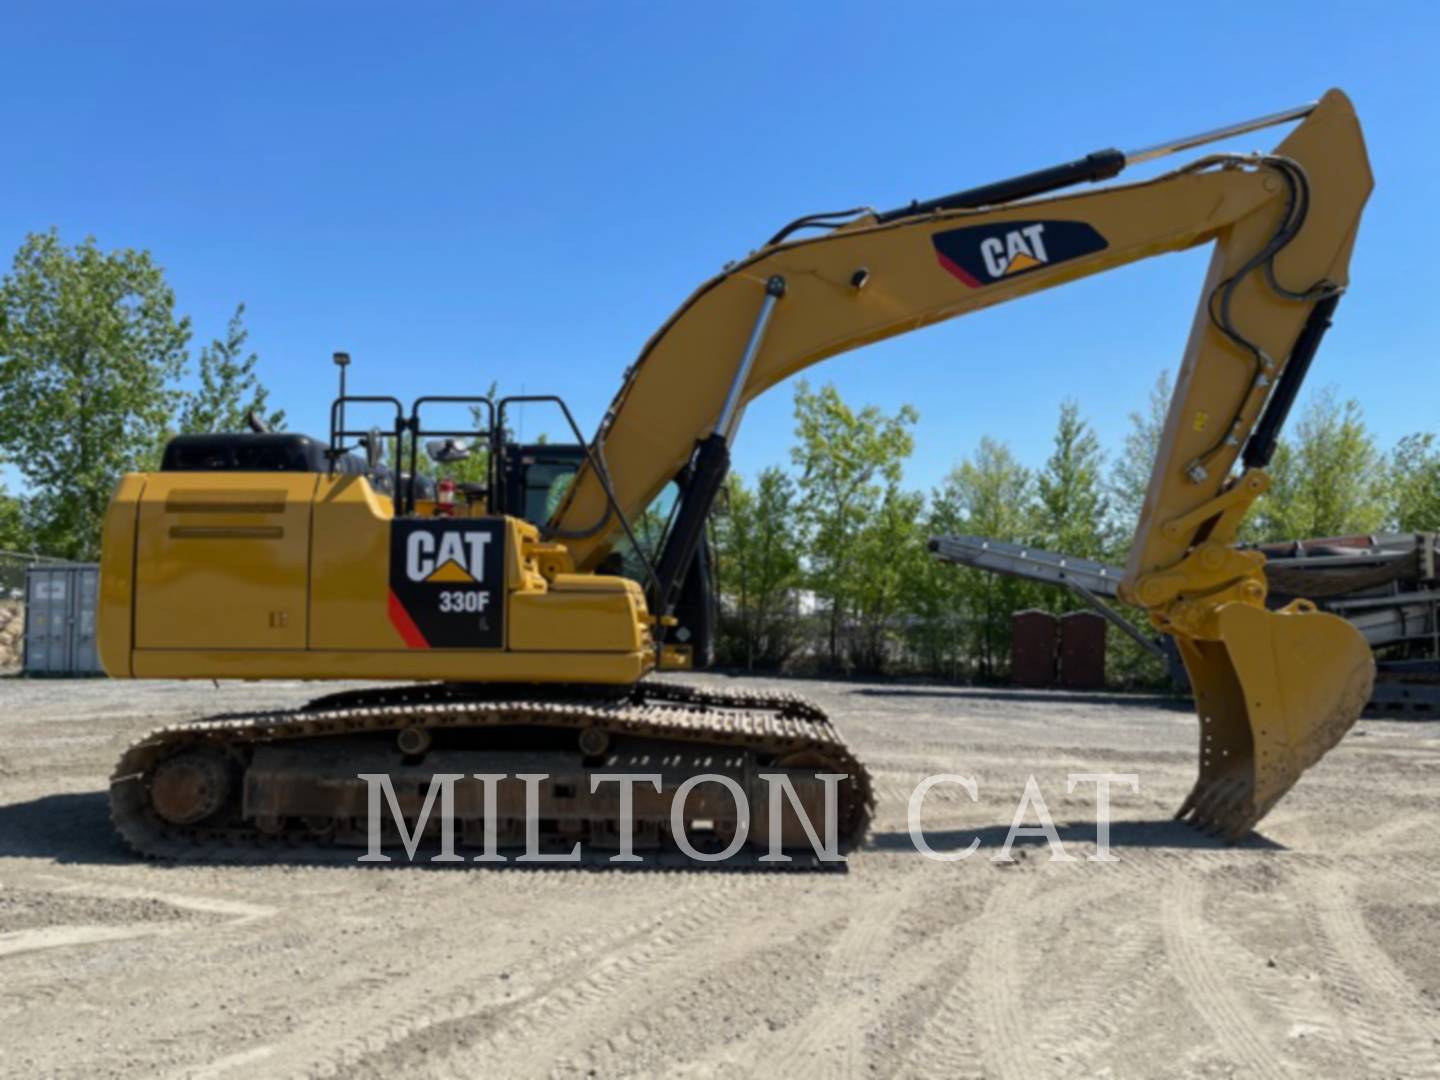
1415 483
1130 473
89 348
1071 506
936 595
13 534
846 461
757 550
996 498
994 493
229 388
889 550
1329 479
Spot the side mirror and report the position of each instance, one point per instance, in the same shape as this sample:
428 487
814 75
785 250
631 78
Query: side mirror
374 449
446 451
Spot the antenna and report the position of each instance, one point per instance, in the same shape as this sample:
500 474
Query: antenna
342 361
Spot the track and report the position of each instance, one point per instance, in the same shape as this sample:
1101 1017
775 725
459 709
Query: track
663 719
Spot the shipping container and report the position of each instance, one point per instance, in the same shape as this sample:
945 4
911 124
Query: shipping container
60 601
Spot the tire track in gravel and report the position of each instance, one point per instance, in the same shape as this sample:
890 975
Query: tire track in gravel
947 1043
841 1024
574 973
1272 989
1208 990
1159 865
1083 1017
1382 836
1377 846
892 790
729 976
840 1027
1378 1000
855 1018
993 967
828 1021
1358 1028
1425 880
389 1008
980 1025
564 1014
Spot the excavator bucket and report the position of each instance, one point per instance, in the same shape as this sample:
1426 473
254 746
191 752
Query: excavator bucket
1275 691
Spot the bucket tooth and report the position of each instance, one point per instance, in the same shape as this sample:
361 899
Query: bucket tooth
1215 801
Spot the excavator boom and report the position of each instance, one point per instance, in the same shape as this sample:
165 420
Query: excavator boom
884 274
1275 690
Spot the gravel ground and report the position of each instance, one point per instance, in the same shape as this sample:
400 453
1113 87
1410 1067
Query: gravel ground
1311 950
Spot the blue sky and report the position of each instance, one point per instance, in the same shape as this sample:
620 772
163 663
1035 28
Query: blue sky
523 193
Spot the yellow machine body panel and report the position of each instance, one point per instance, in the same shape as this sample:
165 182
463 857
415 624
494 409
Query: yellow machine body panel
310 576
225 563
348 595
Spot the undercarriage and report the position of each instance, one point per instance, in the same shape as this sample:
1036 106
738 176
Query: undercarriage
307 783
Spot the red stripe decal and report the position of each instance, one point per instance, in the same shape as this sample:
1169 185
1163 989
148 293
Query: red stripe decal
400 619
958 270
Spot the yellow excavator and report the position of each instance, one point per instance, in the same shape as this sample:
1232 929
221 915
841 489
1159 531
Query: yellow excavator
516 616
